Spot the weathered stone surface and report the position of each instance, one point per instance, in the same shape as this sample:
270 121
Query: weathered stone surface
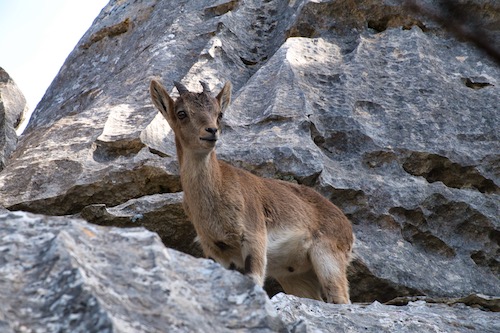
60 274
304 315
12 109
160 213
395 160
377 108
65 275
488 303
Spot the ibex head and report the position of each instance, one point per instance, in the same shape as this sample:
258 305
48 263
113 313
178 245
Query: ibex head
194 117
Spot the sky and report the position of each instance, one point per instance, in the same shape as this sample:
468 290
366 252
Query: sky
36 36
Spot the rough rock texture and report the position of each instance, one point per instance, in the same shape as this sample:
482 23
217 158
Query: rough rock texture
59 274
161 213
12 109
379 109
65 275
304 315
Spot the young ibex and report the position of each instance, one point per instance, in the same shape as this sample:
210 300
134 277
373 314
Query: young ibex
258 225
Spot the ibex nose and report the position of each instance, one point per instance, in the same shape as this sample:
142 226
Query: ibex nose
211 130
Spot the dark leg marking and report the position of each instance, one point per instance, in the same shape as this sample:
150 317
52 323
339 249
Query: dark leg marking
248 264
221 245
232 266
267 211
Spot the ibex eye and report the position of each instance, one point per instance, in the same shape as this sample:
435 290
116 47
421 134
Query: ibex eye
181 114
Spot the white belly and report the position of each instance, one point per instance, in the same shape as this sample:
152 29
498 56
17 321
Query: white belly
287 252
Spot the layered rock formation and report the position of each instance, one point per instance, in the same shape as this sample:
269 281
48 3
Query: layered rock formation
376 107
12 109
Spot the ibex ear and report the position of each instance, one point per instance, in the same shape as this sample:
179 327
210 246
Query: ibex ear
162 101
224 97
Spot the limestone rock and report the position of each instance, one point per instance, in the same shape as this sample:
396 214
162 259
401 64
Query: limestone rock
12 109
62 274
485 302
303 315
377 108
160 213
395 160
65 275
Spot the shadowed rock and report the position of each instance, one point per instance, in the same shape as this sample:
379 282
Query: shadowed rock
65 275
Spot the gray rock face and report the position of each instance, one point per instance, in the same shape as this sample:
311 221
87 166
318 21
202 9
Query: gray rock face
12 109
304 315
377 108
65 275
59 274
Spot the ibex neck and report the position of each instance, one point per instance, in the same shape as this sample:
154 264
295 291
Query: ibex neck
199 170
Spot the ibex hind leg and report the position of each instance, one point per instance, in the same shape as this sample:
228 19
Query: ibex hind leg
330 267
301 285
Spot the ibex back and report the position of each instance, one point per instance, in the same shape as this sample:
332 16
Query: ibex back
260 226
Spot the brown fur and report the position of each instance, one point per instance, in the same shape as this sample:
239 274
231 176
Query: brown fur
261 226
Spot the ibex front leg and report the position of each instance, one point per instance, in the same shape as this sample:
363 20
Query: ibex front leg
253 250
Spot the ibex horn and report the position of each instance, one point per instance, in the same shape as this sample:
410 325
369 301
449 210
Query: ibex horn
206 88
180 87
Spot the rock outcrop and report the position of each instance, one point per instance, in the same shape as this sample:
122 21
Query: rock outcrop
376 107
12 109
304 315
65 275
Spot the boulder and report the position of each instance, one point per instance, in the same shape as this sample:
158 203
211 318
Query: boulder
65 275
62 274
376 107
12 109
